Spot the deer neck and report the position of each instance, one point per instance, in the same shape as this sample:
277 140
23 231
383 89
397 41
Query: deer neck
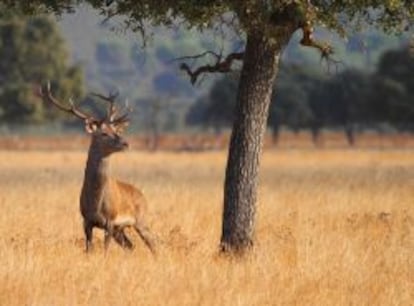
97 169
94 185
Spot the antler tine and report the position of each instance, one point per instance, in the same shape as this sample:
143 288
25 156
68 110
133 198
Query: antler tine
72 109
127 106
79 113
111 99
123 118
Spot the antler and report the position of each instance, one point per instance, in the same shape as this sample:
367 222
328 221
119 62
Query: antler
71 109
124 118
112 110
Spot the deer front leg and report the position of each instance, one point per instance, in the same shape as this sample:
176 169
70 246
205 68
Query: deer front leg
88 227
109 232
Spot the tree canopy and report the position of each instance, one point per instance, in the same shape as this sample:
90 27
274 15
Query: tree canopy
32 51
251 13
274 18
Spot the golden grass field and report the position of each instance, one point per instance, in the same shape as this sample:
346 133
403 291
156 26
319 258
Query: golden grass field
334 227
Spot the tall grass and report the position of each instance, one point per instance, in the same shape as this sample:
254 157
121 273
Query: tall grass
334 227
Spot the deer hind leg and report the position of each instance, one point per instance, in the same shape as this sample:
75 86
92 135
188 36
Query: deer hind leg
122 239
88 227
146 236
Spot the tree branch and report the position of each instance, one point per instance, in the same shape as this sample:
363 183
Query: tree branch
197 56
221 66
308 40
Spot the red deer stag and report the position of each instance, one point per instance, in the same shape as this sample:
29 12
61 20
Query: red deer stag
106 203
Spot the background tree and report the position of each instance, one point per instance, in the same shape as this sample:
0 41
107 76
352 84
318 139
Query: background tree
216 109
32 51
394 82
220 111
157 116
291 98
290 106
342 102
197 113
266 27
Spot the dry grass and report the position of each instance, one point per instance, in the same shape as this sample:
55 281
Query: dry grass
335 227
207 141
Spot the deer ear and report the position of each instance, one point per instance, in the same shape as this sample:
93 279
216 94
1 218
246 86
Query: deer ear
90 126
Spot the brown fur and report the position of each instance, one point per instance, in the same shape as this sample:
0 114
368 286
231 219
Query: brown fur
107 203
126 199
104 202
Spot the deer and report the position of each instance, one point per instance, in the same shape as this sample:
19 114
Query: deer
105 202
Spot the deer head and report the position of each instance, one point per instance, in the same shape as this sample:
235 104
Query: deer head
106 132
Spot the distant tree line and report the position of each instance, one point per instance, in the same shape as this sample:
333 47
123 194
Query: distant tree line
32 51
305 98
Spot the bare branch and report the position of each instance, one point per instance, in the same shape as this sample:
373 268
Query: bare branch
221 66
197 56
117 25
109 15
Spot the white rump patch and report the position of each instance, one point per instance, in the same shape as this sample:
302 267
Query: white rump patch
124 220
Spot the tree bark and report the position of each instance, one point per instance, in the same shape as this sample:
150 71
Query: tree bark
259 70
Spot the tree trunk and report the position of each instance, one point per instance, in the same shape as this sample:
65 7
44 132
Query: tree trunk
275 134
259 70
350 134
316 134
